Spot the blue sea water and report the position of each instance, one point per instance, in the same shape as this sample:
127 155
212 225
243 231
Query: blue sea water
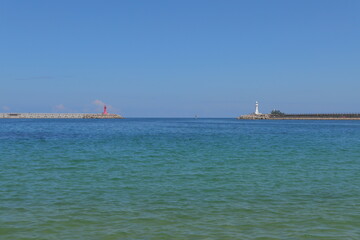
179 179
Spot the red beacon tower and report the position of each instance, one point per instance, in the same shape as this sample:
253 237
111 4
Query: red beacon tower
105 111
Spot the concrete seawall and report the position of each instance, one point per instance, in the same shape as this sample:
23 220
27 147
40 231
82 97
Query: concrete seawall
60 116
254 117
301 117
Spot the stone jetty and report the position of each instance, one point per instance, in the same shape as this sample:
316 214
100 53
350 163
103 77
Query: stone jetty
334 116
60 115
254 116
277 115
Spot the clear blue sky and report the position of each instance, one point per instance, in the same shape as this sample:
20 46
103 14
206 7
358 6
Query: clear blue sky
180 58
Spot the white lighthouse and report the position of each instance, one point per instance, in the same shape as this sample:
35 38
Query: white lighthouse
257 108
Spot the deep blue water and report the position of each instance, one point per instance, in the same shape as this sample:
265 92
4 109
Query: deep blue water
179 179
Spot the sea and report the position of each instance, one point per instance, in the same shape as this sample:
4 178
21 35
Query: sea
139 178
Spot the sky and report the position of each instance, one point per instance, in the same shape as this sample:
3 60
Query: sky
180 58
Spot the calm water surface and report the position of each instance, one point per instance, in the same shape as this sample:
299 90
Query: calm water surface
179 179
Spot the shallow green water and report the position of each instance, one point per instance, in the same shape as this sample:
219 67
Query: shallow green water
179 179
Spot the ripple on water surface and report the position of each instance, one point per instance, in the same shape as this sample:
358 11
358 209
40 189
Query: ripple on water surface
179 179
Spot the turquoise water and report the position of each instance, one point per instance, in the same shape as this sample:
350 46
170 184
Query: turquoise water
179 179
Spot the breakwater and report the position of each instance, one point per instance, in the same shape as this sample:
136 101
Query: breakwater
331 116
60 116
